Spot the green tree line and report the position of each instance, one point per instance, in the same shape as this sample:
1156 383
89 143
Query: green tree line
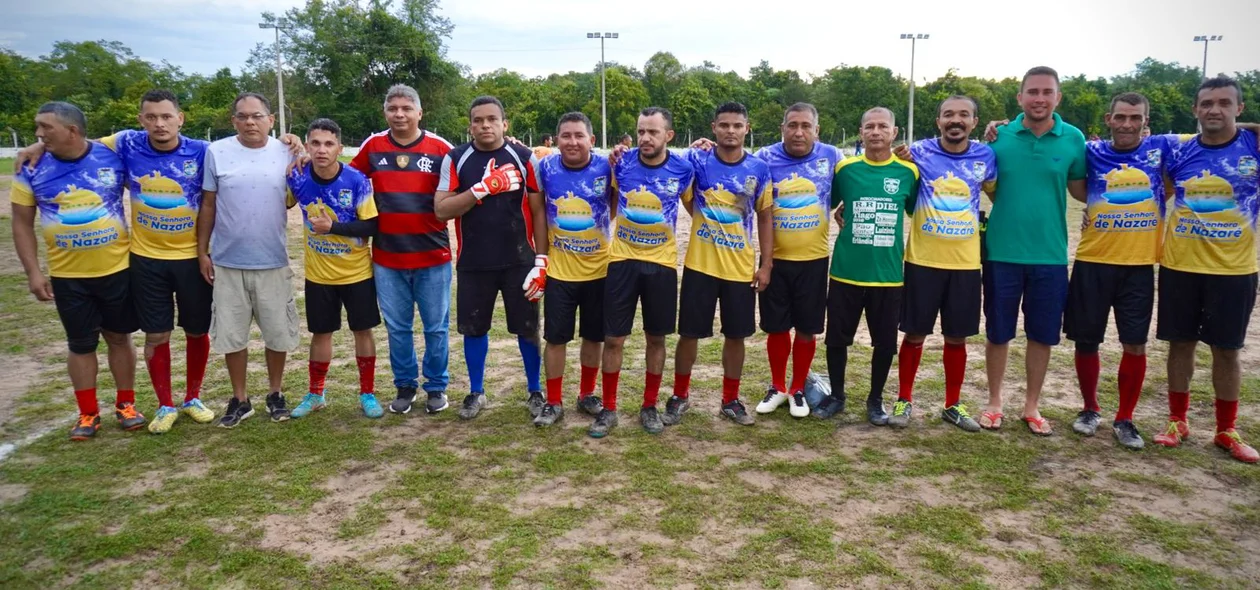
341 55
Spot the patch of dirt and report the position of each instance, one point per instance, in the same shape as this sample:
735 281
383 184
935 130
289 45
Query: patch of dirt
193 464
19 373
554 493
12 493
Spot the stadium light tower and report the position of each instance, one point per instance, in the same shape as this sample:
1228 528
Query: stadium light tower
913 37
603 101
1205 39
278 24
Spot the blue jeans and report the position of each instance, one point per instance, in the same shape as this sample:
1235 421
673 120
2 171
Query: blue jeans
400 293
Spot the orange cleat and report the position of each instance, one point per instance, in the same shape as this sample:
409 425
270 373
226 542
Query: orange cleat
1231 441
86 427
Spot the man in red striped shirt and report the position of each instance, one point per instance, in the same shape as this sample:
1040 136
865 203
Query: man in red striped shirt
411 252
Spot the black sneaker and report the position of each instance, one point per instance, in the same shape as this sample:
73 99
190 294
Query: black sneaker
603 424
1086 423
473 403
237 411
590 405
402 403
735 412
436 402
549 415
1127 435
535 402
651 420
675 407
958 416
829 406
876 414
276 408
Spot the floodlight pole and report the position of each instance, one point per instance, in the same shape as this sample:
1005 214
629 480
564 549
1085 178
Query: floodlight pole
913 37
603 97
1207 39
277 25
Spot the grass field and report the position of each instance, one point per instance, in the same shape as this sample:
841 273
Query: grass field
338 501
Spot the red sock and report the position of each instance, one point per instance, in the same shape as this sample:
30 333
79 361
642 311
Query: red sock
907 367
730 390
610 390
367 373
1087 375
318 371
1178 405
198 351
955 359
160 373
682 383
555 391
125 396
1226 412
1131 375
802 358
651 390
587 385
86 398
778 347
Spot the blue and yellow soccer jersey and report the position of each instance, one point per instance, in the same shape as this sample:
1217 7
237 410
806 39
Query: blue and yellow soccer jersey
648 198
165 192
945 231
802 200
330 259
1123 221
578 221
1212 229
725 198
80 211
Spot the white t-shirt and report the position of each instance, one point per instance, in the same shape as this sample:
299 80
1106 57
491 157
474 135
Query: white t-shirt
250 216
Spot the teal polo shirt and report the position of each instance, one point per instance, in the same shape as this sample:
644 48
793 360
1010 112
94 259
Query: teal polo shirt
1028 223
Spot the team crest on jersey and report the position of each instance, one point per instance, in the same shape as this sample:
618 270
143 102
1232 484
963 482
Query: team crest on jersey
978 169
891 185
1247 166
402 160
750 185
345 198
1153 158
671 185
822 166
600 183
190 167
105 176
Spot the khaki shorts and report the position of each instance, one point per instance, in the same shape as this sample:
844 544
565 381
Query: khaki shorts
266 297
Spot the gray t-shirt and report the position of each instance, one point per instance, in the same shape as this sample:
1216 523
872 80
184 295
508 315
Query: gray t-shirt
250 216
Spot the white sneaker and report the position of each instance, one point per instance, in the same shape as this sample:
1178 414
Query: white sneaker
797 406
771 402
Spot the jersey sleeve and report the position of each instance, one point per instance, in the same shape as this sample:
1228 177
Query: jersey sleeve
765 194
113 141
20 193
367 202
209 173
447 179
360 160
837 195
292 187
532 184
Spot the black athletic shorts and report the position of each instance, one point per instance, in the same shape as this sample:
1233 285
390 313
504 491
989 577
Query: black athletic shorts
954 295
324 303
845 304
796 297
632 281
699 303
476 291
159 286
1095 289
1212 309
88 306
561 304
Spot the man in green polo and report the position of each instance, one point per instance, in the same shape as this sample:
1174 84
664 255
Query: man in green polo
1040 159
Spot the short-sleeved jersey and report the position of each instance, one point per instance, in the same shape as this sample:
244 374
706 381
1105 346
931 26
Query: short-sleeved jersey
579 224
876 196
331 259
945 231
498 232
80 211
648 198
725 197
1212 228
404 177
1123 221
802 200
165 189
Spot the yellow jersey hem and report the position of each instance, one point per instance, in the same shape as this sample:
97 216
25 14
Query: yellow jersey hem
862 284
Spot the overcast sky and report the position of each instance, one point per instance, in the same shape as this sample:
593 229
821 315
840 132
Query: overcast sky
982 38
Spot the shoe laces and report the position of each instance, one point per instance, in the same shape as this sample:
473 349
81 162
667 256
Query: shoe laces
1233 434
899 407
1173 430
470 400
87 420
128 411
962 411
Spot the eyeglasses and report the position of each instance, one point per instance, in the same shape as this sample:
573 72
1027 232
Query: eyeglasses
256 117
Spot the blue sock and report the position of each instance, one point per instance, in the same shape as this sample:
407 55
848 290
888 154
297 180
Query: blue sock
475 349
533 361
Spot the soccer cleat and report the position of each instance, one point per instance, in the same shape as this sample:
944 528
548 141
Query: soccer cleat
958 416
603 424
549 415
128 417
901 414
1086 423
473 403
311 402
163 420
829 406
675 407
198 411
797 407
276 407
590 405
402 403
86 427
535 403
651 420
772 401
1177 431
876 414
1127 435
371 407
1231 441
237 411
735 412
436 402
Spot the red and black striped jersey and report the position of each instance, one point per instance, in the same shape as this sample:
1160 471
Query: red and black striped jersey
404 179
498 232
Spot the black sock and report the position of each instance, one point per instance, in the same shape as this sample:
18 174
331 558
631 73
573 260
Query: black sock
837 362
881 362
